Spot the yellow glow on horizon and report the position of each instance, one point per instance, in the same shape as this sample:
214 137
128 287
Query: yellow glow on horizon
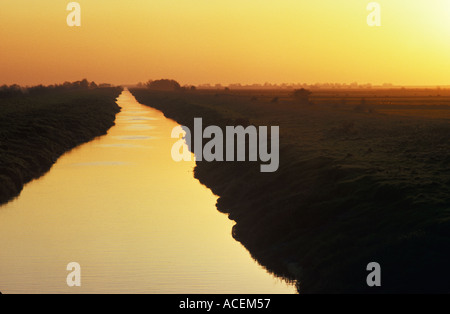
199 41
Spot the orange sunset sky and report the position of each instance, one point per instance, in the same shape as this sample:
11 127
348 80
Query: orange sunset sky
218 41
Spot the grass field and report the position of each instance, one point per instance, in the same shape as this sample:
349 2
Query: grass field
364 177
36 129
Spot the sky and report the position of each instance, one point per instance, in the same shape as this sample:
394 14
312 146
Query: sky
225 41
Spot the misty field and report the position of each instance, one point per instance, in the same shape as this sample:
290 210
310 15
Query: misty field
364 177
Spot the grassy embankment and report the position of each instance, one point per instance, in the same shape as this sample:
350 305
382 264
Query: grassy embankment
354 186
36 129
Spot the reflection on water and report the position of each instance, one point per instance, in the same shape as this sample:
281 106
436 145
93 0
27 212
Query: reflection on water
119 145
134 137
101 163
134 220
140 127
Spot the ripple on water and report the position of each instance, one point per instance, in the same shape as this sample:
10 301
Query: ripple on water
140 127
100 163
138 118
135 112
135 137
121 145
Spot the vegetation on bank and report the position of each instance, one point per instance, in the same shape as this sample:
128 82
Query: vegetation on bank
353 187
39 124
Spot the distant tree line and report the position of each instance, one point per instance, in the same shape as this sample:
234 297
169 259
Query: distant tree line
166 85
15 90
292 86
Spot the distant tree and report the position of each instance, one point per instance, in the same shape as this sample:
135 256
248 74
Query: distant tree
84 84
13 90
188 88
164 85
93 85
38 89
302 95
76 85
67 84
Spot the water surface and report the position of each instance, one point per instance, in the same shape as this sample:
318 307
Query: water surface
135 220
